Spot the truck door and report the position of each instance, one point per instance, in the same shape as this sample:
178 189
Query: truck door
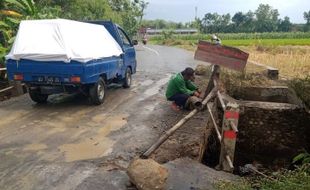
129 52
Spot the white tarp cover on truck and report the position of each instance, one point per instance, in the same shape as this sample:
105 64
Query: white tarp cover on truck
62 40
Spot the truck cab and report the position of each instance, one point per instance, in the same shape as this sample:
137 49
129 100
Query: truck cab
47 77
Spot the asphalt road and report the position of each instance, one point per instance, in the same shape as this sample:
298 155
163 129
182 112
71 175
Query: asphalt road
71 144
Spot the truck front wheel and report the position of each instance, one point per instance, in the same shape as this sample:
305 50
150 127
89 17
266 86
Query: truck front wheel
97 92
128 78
38 97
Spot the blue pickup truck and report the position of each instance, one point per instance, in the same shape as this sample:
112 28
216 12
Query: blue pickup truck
44 78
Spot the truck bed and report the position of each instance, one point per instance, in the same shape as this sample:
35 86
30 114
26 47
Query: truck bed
35 71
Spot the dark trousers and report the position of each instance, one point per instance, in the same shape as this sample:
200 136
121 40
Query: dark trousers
179 99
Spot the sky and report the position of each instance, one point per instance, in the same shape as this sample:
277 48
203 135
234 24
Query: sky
184 10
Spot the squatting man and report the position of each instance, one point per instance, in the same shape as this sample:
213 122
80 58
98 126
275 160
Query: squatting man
182 91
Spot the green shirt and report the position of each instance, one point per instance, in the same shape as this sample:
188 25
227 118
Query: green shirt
177 85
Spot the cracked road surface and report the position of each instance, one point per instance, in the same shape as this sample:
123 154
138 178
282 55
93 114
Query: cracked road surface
70 144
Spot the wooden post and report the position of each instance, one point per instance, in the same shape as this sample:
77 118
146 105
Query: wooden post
229 136
272 73
215 74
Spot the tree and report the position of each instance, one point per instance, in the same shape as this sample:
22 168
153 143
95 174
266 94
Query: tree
130 12
243 22
143 6
213 23
285 25
266 18
239 18
198 24
90 10
249 23
10 14
307 17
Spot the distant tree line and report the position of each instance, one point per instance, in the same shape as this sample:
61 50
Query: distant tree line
263 19
163 24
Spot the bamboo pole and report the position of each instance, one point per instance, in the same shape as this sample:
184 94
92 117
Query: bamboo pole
214 123
219 95
167 134
262 174
6 89
233 126
229 162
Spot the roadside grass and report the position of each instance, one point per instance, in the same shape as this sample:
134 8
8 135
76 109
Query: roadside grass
237 36
292 62
243 42
283 180
267 42
288 55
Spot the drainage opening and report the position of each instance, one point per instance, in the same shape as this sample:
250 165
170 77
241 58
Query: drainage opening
270 133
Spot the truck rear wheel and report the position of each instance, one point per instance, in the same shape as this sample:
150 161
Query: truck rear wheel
128 78
38 97
97 92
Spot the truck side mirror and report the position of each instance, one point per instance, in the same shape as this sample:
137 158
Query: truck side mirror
135 42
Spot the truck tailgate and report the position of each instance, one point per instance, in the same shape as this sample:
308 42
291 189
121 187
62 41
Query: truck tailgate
31 70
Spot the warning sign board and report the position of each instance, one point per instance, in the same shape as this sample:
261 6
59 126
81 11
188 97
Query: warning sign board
230 57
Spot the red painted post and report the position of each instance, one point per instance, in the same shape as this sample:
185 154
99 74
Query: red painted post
229 136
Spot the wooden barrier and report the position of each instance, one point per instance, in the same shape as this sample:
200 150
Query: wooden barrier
15 87
225 56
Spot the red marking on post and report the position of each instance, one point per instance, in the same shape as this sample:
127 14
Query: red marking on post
230 134
231 115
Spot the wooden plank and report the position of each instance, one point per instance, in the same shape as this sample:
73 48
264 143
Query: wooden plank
6 89
225 56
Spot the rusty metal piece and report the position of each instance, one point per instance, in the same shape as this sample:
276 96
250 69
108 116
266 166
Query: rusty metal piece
193 102
225 56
